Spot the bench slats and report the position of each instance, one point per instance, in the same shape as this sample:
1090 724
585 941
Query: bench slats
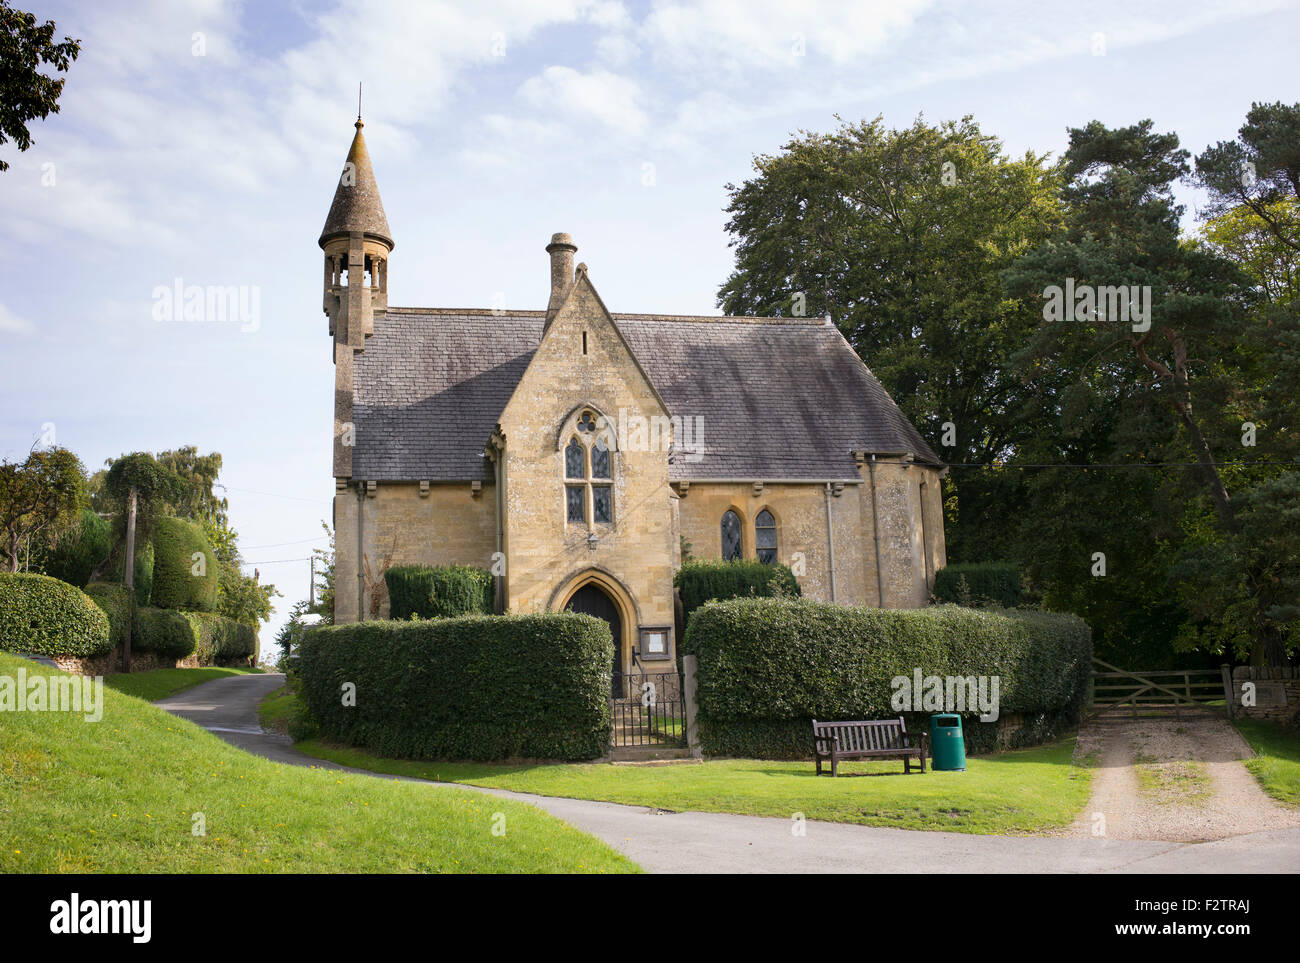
869 738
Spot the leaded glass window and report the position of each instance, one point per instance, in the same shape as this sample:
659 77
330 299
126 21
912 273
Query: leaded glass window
765 537
588 472
730 537
599 462
576 495
601 506
574 460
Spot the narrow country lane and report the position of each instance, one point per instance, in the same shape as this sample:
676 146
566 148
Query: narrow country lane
692 842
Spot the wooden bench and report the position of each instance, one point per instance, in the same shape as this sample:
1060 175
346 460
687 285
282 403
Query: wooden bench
881 739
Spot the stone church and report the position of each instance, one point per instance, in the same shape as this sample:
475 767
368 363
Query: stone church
579 453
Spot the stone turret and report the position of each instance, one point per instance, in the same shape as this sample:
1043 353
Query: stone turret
356 241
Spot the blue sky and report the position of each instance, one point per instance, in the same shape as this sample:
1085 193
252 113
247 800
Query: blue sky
202 141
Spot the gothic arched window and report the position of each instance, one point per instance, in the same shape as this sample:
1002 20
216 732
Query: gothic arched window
588 494
765 537
730 537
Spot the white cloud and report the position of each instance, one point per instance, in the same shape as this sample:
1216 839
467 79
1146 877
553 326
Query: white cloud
731 35
607 14
609 98
617 50
11 323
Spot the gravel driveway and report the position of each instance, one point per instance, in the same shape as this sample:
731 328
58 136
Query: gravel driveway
1175 780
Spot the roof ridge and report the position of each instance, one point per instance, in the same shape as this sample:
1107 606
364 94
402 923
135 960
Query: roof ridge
620 316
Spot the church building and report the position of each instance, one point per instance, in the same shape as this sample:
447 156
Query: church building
580 453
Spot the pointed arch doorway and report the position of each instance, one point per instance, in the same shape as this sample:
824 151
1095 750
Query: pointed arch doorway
591 599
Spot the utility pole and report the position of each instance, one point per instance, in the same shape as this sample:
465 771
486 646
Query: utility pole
129 578
311 589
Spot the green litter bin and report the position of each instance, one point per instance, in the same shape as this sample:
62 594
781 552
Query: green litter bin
947 747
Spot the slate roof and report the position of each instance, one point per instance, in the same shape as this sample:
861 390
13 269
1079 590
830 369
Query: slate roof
779 398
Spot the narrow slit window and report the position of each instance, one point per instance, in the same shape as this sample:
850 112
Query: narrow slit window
730 537
765 537
584 342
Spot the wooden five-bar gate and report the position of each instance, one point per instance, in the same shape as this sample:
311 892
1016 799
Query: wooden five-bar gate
1157 691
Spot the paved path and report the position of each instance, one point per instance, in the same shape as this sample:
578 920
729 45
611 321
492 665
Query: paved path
717 843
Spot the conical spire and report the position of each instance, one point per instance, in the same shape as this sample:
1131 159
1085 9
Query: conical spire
357 206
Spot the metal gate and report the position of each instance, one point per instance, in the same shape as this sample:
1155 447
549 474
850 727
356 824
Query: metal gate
648 710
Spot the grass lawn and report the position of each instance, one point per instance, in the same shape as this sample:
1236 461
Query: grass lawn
123 795
1277 761
161 683
1024 791
274 711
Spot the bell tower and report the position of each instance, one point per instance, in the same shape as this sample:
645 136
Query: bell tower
356 241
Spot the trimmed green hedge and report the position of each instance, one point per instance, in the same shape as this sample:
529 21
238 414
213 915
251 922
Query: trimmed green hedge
80 551
440 591
474 687
219 639
979 583
46 616
175 586
706 580
116 603
143 570
164 632
769 666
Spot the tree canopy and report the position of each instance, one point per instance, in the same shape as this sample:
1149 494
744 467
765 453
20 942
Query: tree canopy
27 94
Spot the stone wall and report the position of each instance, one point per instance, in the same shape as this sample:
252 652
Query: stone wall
405 523
111 663
584 363
1276 693
908 506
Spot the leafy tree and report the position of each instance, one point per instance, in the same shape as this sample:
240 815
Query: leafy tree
1241 236
900 237
324 606
1258 169
26 93
41 494
140 476
1165 383
196 497
241 597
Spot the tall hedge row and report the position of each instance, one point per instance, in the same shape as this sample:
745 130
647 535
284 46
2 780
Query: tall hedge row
143 570
219 639
116 604
180 579
164 632
48 617
766 667
212 638
979 583
438 591
474 687
708 579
